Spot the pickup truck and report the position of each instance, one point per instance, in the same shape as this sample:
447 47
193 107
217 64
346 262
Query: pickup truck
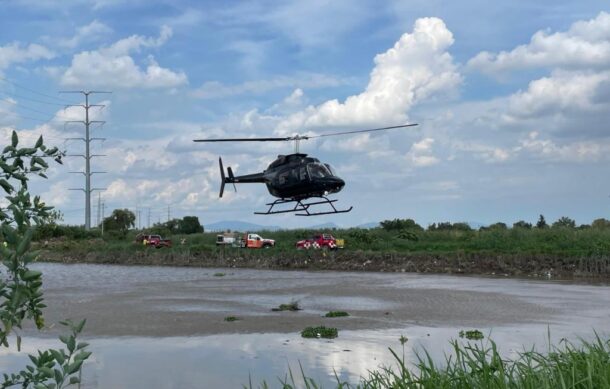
255 241
153 240
320 241
225 240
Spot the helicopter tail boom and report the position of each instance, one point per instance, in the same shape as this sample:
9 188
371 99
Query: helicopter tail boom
230 178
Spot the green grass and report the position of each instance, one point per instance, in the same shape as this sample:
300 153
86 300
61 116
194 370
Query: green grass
480 365
231 318
336 314
567 242
320 332
219 274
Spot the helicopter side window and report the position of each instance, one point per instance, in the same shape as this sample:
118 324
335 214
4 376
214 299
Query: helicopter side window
330 169
318 170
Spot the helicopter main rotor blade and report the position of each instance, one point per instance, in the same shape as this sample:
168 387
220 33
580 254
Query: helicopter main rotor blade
359 131
243 139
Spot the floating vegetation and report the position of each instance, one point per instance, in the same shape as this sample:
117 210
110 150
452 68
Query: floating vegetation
292 306
320 332
336 314
231 318
219 274
471 334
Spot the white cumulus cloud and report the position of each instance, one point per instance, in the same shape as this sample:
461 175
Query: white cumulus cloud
417 67
585 44
14 53
114 67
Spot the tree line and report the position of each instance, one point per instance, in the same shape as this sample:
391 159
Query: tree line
562 222
116 226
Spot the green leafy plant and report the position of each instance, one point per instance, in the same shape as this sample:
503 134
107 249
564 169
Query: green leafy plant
320 332
292 306
21 296
231 318
54 368
471 334
336 314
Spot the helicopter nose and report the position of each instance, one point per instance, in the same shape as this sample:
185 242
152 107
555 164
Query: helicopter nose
335 184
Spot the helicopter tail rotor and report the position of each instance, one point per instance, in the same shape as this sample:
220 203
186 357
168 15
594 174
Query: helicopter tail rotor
222 178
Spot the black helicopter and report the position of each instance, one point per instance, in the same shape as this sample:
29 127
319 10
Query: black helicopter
294 178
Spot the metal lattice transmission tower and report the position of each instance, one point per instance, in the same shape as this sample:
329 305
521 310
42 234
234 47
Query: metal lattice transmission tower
87 156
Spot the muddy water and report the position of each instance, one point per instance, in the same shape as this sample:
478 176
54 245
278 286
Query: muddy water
163 327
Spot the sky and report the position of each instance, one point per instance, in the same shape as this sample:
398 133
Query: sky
512 99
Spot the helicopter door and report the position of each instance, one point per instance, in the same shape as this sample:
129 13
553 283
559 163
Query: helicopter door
303 174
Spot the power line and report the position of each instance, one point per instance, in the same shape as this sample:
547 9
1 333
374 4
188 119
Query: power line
21 106
32 90
30 99
87 139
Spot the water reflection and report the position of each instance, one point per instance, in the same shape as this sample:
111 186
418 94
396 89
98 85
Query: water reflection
230 361
429 310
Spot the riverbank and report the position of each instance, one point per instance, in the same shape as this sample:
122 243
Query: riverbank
480 263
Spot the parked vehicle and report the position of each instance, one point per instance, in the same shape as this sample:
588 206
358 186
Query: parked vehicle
255 241
326 241
225 239
155 241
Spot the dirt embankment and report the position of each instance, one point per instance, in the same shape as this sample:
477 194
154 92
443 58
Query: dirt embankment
531 265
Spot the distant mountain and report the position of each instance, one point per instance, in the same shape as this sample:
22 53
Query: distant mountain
368 225
240 226
329 225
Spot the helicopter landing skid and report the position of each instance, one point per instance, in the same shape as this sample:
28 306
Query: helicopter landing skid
299 206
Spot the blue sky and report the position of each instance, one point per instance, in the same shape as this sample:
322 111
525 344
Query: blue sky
512 99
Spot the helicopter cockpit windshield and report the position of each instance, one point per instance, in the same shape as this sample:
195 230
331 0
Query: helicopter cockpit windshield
318 170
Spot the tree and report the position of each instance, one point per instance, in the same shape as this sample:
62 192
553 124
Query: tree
564 222
190 225
541 222
601 223
400 224
120 221
448 226
522 224
495 226
21 296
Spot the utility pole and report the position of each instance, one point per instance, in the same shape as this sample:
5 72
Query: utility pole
139 218
103 205
148 224
99 207
168 213
87 156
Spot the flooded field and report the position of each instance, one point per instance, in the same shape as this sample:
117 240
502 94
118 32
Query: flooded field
164 327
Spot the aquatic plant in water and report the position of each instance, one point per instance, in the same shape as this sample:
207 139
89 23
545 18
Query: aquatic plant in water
320 332
336 314
292 306
471 334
